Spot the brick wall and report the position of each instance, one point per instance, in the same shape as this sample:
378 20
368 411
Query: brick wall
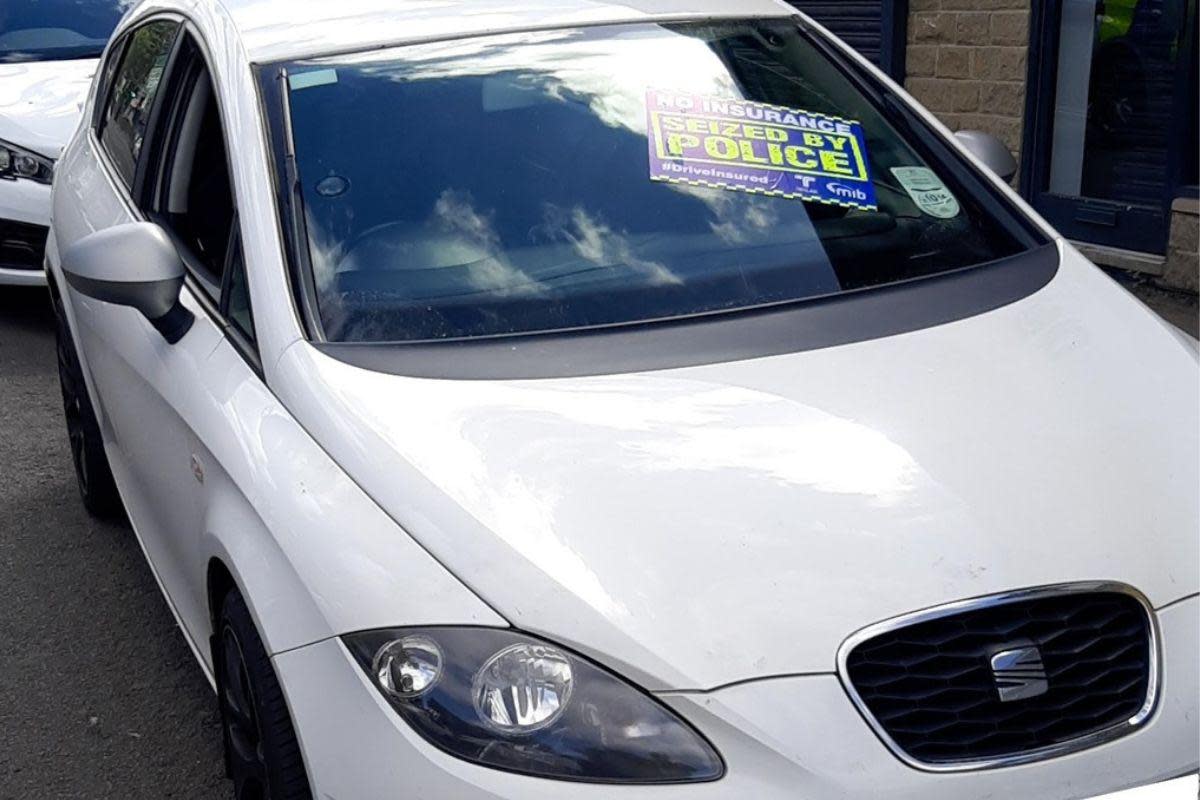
967 63
1183 254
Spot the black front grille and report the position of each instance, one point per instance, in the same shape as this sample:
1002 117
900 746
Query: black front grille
22 246
931 688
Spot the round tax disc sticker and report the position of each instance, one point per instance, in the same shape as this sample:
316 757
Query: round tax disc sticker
927 191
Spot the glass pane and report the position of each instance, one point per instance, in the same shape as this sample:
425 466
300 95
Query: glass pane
133 94
583 178
1115 85
238 302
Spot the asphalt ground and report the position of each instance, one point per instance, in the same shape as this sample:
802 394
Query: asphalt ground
100 696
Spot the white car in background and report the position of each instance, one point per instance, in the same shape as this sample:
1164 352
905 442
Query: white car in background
48 54
640 400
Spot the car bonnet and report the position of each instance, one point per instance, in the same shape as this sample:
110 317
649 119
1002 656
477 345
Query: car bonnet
701 526
41 102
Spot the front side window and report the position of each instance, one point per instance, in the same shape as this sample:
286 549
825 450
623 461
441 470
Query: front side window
131 99
236 298
56 30
187 188
576 179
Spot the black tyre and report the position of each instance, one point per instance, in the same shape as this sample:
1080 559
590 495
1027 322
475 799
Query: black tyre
262 756
92 473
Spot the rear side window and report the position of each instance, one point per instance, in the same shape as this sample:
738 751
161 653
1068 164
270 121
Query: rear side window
134 88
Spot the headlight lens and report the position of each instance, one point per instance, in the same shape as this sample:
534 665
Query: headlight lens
16 162
523 688
407 667
507 700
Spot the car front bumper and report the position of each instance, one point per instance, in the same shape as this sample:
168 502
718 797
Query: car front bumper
797 737
24 218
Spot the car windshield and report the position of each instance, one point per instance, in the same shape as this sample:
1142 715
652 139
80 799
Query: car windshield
608 175
55 30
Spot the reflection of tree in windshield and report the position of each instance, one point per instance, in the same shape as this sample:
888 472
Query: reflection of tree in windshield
37 30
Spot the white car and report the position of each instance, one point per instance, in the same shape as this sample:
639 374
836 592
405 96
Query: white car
640 400
48 54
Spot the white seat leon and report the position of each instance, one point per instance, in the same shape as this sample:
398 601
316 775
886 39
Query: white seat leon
639 400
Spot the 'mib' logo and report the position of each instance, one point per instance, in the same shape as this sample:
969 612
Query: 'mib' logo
846 192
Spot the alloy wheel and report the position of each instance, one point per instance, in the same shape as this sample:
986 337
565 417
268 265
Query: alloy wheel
73 410
247 759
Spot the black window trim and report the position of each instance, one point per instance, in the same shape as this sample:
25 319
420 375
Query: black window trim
905 306
135 199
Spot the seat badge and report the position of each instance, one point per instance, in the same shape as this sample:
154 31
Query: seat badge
1019 674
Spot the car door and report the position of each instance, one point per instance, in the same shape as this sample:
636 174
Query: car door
149 393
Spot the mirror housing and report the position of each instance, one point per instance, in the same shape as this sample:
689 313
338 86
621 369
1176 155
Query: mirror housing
134 265
991 151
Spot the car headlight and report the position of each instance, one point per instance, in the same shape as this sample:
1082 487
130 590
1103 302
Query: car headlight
16 162
510 701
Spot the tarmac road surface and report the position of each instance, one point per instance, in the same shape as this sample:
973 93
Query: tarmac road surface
100 696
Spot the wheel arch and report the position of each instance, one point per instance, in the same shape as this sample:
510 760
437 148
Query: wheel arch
218 583
240 553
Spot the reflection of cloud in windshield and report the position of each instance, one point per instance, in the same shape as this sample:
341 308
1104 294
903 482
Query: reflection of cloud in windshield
741 219
455 213
596 242
610 70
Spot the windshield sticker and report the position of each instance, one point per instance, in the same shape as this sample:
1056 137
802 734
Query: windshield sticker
758 148
307 80
927 191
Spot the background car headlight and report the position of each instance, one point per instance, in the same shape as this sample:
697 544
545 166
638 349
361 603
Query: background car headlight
508 700
16 162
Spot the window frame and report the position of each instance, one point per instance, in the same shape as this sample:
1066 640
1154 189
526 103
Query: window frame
151 165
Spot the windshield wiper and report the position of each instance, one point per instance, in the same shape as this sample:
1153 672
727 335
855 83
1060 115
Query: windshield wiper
297 223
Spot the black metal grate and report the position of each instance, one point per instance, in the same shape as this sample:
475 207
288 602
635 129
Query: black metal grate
22 246
930 685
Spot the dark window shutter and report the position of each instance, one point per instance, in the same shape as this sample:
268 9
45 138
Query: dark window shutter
875 28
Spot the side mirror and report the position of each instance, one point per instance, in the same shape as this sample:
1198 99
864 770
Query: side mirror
133 265
991 151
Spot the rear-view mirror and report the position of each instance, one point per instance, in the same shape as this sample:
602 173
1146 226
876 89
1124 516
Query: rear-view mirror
991 151
134 265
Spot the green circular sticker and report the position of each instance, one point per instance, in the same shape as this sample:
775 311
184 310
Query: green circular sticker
927 191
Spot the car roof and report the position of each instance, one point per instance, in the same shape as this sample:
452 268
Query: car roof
274 30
